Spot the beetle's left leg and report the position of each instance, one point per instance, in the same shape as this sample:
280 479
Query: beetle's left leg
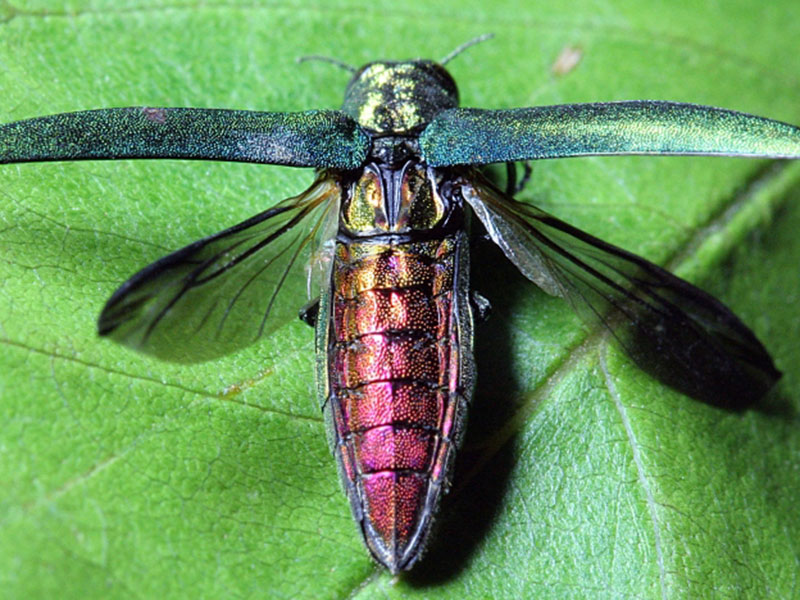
308 314
481 307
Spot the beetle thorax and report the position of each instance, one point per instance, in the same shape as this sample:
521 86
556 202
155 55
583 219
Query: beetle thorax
393 201
398 97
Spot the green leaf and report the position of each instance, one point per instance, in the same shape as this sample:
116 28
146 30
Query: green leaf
122 476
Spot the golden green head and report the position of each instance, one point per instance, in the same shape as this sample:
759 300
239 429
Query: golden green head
398 97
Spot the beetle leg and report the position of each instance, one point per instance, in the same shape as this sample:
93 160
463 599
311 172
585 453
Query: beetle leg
481 307
308 314
511 178
526 176
512 186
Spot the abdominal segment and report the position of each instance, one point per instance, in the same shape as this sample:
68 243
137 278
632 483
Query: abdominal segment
399 378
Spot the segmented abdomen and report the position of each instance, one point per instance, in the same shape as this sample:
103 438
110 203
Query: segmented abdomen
399 379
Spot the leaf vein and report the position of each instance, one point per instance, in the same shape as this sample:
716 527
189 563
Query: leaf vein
652 506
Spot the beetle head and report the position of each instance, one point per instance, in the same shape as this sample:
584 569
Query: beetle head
397 97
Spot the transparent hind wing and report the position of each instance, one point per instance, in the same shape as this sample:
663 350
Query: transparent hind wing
671 329
221 293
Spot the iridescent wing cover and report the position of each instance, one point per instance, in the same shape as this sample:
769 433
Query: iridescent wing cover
315 138
472 136
671 329
219 294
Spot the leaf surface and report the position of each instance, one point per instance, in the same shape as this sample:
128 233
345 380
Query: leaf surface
123 476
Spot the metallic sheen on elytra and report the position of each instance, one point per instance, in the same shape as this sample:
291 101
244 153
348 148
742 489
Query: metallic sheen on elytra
397 171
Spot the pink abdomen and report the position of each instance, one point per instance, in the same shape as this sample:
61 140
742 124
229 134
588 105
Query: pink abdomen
397 397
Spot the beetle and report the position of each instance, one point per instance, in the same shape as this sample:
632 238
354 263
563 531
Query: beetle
385 226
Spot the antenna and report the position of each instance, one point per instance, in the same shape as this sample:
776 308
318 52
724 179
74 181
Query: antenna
464 46
326 59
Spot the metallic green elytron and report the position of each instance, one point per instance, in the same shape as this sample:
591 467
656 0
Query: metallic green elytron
384 227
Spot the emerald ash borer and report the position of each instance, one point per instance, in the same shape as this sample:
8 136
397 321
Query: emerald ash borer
398 168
